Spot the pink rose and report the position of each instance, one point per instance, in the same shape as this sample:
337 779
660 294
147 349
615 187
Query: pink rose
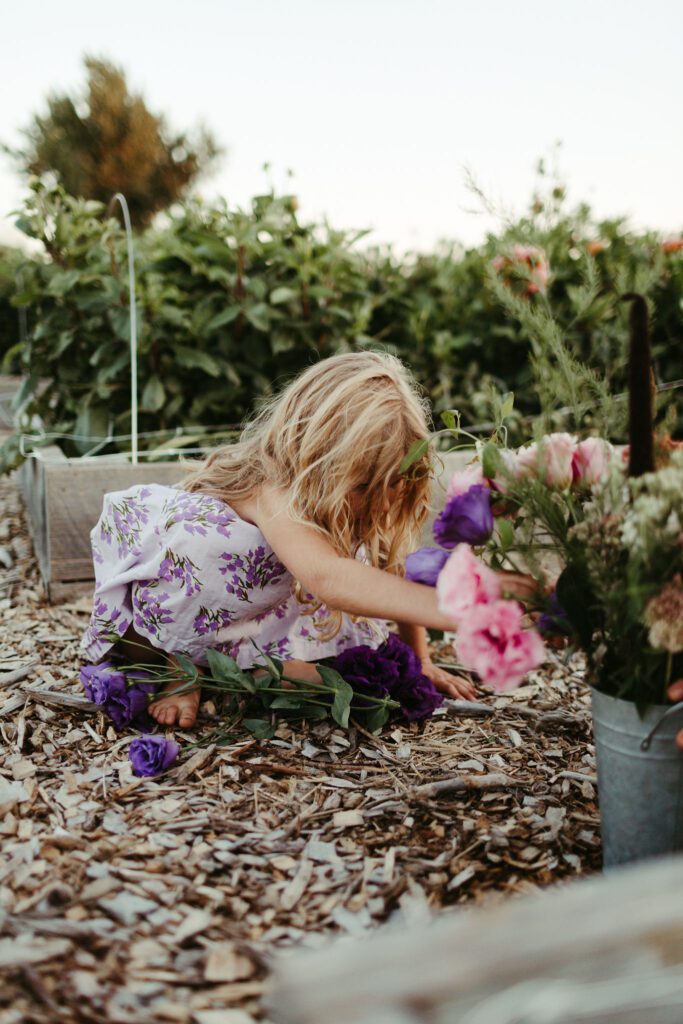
493 644
465 582
549 460
591 461
463 479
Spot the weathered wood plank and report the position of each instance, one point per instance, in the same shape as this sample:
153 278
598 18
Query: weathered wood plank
603 949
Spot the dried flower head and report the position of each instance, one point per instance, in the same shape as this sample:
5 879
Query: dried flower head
664 617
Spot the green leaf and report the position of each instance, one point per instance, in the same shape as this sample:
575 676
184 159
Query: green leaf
415 452
448 418
221 319
260 728
508 405
282 294
376 718
196 358
274 665
341 706
506 533
153 396
225 669
187 667
258 316
490 461
284 701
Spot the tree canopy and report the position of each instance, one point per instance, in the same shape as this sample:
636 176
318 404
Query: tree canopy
106 141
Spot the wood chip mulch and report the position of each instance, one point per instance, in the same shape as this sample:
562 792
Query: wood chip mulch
135 900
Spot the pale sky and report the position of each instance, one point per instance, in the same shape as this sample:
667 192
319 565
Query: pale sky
377 106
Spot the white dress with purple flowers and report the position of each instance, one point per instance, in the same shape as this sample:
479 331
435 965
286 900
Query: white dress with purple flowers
190 575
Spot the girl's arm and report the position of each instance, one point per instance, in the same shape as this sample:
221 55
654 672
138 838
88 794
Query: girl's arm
343 583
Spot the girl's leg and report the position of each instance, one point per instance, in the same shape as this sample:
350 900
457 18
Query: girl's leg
168 710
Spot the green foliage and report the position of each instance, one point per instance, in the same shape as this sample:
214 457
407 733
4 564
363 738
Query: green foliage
107 141
233 302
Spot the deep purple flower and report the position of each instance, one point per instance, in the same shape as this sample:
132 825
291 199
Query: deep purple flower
107 687
466 519
419 698
392 670
554 621
99 680
152 755
425 564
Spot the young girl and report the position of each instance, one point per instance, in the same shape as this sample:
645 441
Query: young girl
291 542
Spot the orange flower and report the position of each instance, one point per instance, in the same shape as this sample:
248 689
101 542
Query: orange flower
672 244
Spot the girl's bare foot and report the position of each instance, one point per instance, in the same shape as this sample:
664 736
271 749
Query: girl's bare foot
169 709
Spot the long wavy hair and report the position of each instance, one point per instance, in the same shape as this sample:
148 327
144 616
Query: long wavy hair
344 425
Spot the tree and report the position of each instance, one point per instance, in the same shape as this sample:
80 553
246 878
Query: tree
107 141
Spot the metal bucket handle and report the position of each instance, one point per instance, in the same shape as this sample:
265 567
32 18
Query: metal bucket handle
645 745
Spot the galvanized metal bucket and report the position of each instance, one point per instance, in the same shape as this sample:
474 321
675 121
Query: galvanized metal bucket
640 779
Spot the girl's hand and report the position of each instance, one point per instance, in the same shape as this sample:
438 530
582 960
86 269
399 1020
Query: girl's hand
675 693
519 585
456 687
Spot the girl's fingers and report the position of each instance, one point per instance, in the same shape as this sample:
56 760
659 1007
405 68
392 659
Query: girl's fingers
675 691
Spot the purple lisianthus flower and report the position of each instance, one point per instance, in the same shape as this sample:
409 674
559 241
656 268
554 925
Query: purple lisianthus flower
152 755
554 621
391 670
466 519
425 564
107 687
99 680
419 698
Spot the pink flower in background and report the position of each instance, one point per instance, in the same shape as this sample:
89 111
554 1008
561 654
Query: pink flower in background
465 582
463 479
527 462
591 461
549 460
557 454
538 270
493 644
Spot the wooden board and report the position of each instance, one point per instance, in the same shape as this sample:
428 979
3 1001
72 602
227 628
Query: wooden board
607 949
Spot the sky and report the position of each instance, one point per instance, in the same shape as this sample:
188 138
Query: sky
379 107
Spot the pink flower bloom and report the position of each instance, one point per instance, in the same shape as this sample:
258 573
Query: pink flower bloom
465 582
493 644
591 461
550 460
538 269
463 479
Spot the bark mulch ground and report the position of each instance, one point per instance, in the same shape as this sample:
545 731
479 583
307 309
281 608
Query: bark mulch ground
134 900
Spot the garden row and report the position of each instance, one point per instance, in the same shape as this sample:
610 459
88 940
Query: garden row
231 302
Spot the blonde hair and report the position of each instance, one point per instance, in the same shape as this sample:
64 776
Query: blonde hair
345 424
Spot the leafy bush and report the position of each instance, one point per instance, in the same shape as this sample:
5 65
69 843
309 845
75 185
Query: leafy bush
231 302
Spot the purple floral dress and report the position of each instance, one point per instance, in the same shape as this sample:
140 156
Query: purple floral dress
189 575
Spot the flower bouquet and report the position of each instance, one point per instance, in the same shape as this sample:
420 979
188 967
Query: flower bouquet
602 528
